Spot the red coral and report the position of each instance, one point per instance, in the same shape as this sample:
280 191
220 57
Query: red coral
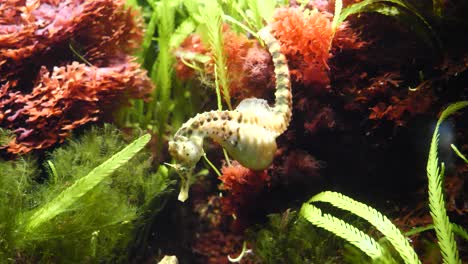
44 93
242 185
305 40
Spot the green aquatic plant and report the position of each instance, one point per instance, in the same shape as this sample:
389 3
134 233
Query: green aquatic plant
211 15
82 186
435 175
444 229
88 208
353 235
459 154
168 102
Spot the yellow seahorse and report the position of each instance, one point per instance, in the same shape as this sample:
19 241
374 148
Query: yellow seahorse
248 133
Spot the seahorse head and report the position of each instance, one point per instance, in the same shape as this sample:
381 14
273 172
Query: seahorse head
186 151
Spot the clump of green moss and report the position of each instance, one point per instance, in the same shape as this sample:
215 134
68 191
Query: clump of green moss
99 224
15 186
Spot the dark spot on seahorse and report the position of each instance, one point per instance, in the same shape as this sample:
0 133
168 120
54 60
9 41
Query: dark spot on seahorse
280 77
276 54
230 133
270 43
215 118
208 120
239 119
229 117
280 63
282 100
195 125
189 132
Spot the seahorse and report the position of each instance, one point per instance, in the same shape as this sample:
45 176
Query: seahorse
248 133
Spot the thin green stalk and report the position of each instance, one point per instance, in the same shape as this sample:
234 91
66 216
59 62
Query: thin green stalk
458 152
212 165
218 92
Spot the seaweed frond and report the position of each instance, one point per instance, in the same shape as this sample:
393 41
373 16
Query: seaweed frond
212 15
378 220
78 189
435 174
342 229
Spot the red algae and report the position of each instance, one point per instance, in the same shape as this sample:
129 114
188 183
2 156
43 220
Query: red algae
242 187
44 92
305 40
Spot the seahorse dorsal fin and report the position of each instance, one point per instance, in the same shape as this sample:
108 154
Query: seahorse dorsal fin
255 105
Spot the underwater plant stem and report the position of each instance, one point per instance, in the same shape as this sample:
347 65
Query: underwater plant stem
226 156
458 230
79 55
458 152
212 165
218 92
